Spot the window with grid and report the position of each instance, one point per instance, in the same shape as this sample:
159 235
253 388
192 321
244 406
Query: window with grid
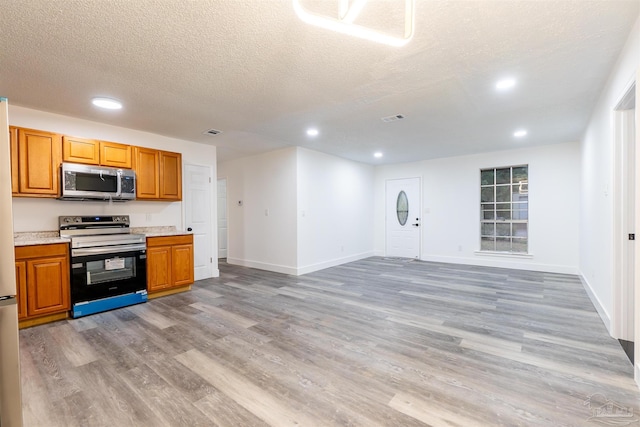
504 209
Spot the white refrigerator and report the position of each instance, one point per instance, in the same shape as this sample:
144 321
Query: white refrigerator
10 390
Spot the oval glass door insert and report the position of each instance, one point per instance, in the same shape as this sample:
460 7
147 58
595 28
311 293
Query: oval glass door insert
402 208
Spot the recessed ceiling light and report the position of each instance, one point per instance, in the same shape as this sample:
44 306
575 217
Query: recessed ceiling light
520 133
377 155
107 103
312 132
505 84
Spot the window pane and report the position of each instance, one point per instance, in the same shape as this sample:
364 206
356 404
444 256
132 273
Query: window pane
488 214
520 214
486 177
503 194
503 176
520 173
519 245
487 244
520 230
488 229
503 229
503 244
486 195
503 215
503 206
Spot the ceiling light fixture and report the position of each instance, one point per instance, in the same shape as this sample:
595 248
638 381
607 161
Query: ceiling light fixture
349 11
505 84
312 132
520 133
377 155
107 103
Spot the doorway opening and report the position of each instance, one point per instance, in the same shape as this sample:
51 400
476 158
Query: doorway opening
627 187
222 219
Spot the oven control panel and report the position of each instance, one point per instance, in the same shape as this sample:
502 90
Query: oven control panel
93 221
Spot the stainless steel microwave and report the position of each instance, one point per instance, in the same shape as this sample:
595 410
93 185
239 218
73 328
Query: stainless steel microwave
87 182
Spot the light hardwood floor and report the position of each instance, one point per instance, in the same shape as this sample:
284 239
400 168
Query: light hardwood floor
376 342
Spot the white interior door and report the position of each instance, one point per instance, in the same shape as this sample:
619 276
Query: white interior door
403 218
222 218
198 217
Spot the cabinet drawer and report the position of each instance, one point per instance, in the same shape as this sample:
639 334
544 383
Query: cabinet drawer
183 239
39 251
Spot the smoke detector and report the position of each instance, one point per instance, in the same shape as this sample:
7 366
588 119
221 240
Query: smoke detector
392 118
211 132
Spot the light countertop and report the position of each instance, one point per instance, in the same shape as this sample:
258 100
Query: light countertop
50 237
38 238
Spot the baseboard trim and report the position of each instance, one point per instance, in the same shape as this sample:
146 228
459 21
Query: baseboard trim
503 262
332 263
606 319
263 266
298 271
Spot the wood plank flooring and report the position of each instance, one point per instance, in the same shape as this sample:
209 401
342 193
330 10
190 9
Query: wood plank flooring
377 342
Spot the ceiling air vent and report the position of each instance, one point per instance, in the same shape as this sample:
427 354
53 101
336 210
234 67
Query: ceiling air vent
212 132
392 118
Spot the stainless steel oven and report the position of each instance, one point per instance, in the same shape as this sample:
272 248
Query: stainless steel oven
108 263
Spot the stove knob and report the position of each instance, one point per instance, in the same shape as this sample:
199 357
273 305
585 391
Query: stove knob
67 219
76 219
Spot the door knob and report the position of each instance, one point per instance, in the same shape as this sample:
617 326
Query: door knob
189 229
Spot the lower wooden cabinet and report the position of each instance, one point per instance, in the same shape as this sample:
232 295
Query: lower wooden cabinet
42 275
169 262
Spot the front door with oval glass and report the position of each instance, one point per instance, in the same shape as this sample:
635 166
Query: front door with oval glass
403 218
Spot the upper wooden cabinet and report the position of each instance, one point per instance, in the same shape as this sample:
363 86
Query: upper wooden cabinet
158 174
13 137
147 166
170 176
80 150
92 152
115 155
38 158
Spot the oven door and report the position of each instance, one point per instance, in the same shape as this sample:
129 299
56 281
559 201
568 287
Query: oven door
106 274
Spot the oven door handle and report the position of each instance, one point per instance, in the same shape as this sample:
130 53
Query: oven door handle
106 250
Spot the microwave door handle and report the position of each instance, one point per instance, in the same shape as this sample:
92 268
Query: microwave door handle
119 183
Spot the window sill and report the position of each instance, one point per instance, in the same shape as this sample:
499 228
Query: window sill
503 254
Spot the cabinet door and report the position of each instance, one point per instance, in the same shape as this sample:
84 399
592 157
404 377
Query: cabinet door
146 167
115 155
39 155
158 268
78 150
21 288
182 264
47 285
13 137
170 176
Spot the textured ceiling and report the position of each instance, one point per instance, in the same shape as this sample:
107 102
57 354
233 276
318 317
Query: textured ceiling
254 70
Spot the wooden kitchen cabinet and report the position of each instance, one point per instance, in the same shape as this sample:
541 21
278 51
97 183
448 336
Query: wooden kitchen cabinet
80 150
158 174
169 262
21 288
170 176
42 273
39 155
13 138
93 152
115 155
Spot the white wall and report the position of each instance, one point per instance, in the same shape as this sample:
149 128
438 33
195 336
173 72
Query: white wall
262 232
451 207
335 205
36 214
597 210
